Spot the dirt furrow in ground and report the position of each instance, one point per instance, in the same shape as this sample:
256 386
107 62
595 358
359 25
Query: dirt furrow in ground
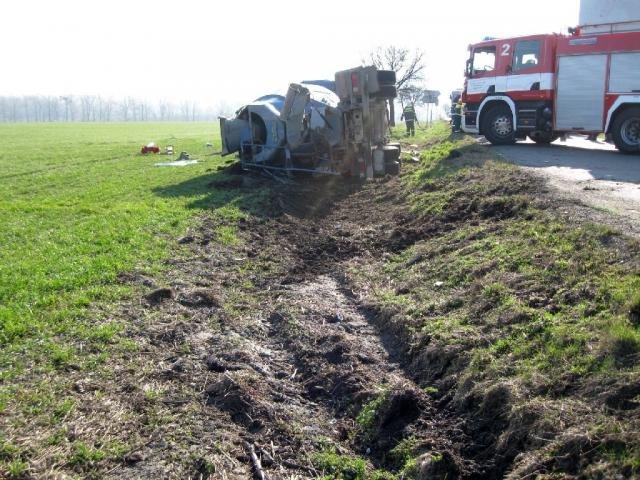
264 344
346 362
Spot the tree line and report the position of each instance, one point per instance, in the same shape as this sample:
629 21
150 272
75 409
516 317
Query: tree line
408 65
94 108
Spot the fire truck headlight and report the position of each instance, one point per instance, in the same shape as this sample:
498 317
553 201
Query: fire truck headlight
547 113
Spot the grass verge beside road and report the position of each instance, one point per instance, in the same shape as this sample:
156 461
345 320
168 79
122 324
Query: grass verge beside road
526 320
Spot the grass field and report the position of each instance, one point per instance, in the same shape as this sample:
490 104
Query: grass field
78 206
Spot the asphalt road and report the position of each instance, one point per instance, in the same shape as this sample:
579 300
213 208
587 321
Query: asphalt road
595 174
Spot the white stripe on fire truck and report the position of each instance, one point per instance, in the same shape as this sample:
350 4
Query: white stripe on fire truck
510 83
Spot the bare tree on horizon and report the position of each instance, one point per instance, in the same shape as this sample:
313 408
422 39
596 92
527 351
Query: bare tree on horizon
408 65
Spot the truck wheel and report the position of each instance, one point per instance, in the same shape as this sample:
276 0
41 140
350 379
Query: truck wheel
395 144
543 138
626 131
386 91
392 168
497 126
391 153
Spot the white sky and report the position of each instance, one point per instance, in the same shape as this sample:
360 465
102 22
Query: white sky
234 51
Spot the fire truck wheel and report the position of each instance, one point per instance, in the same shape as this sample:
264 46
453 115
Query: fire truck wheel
626 131
543 138
497 126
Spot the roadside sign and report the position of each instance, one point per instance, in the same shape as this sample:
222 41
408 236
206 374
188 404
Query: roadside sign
431 96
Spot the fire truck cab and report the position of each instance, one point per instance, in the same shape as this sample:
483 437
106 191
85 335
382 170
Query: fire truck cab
542 86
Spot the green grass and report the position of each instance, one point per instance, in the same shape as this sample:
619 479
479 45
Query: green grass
334 466
79 205
403 455
424 134
550 297
17 469
226 235
368 415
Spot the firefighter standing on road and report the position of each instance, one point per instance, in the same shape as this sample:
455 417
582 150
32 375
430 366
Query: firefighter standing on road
409 117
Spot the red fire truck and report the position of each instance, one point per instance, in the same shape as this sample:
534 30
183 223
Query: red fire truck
542 86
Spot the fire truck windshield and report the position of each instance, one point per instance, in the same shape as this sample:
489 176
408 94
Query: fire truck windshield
483 60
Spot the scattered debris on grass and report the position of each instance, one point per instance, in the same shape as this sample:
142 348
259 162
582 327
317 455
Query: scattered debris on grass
177 163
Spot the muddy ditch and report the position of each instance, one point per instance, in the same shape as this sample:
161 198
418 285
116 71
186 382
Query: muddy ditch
289 362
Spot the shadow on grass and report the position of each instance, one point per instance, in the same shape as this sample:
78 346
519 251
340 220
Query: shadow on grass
261 195
449 156
216 190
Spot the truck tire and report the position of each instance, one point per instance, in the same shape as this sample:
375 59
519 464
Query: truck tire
395 144
497 126
391 153
626 131
392 168
386 91
543 138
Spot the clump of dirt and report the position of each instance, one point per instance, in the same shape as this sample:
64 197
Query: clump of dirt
501 207
634 312
235 181
398 412
159 295
137 279
437 466
233 168
216 364
237 394
199 298
625 397
170 333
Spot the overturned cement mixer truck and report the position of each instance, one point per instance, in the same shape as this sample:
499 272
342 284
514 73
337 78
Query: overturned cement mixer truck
320 126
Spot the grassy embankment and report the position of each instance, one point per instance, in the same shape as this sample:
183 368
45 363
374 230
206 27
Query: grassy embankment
526 320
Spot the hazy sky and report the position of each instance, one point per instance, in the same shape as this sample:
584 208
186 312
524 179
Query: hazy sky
234 51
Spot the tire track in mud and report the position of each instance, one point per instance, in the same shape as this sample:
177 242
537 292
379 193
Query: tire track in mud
286 363
345 357
346 363
325 360
312 322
